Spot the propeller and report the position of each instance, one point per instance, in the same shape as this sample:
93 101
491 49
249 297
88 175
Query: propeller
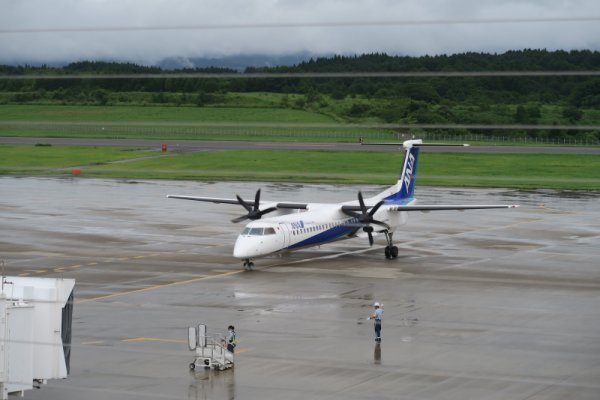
253 209
365 217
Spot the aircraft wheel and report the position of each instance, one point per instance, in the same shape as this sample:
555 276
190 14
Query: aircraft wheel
394 251
193 366
388 252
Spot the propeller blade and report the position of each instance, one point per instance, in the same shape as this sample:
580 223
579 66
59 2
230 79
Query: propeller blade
374 209
362 203
243 203
257 200
239 219
254 211
364 219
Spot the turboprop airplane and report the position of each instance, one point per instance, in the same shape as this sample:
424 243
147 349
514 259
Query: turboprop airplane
292 225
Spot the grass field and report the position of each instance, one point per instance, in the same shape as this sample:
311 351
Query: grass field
41 160
165 122
60 113
439 169
251 116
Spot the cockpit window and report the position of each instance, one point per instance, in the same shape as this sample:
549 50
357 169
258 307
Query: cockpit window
246 231
269 231
256 231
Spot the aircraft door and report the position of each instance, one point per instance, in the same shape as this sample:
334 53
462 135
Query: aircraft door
285 231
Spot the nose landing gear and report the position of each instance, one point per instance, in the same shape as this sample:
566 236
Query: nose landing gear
248 265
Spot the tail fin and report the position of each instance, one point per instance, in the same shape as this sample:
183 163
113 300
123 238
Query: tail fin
403 191
405 187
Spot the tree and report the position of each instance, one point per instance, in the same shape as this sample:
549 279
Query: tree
572 114
521 115
422 91
101 96
358 110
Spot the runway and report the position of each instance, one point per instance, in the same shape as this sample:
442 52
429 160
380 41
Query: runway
216 145
491 304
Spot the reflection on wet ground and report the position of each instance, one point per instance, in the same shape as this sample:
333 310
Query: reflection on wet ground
483 304
210 384
377 354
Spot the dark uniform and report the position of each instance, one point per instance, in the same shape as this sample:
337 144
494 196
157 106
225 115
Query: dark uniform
231 339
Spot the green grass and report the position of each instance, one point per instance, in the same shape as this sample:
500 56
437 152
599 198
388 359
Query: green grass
165 122
59 113
242 116
558 171
439 169
40 160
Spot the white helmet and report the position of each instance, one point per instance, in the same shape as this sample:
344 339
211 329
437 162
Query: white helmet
376 304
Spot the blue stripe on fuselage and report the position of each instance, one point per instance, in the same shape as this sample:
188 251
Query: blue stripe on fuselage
329 235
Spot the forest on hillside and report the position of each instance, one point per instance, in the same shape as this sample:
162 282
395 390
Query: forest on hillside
547 100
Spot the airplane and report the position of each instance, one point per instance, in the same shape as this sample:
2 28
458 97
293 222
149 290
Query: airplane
291 225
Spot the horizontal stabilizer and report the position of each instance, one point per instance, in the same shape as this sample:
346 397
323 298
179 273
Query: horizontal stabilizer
425 208
418 144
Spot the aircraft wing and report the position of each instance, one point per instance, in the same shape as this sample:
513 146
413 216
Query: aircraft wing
218 200
427 208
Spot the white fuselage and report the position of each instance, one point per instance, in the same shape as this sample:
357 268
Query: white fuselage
294 225
320 224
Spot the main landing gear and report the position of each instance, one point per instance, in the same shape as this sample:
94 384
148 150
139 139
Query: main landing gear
248 265
391 251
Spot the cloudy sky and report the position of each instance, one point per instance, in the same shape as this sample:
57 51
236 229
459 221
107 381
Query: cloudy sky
68 30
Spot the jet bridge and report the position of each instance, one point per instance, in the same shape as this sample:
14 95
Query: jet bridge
35 332
211 349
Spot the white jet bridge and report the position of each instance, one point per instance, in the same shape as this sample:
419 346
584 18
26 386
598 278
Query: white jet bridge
211 349
35 332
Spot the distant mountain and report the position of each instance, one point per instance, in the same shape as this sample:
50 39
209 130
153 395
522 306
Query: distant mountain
239 62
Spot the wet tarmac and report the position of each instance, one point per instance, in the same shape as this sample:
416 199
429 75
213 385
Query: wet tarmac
494 304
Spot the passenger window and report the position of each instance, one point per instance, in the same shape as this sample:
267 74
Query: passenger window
256 232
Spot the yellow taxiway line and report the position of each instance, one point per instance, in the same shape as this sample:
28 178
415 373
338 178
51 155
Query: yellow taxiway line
147 339
203 278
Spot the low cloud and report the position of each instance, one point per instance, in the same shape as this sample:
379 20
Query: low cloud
34 30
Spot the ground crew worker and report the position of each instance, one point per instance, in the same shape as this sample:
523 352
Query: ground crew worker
377 316
231 338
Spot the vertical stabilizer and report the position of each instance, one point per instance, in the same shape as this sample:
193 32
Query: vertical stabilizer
404 190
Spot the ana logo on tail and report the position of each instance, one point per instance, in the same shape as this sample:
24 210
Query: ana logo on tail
409 171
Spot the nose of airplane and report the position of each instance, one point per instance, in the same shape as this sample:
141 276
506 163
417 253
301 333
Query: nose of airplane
241 248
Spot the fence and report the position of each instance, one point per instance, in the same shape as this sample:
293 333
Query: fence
274 132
